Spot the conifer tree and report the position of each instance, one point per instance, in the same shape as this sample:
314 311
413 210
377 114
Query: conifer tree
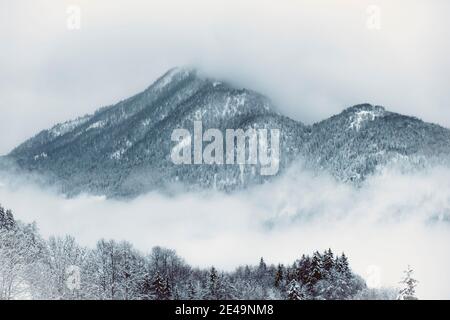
6 219
279 276
316 271
304 269
408 292
159 288
295 291
262 269
192 293
167 290
213 285
328 261
145 290
342 265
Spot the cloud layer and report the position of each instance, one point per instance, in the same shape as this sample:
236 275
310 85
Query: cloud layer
392 221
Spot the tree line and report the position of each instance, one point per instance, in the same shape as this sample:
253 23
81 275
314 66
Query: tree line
59 268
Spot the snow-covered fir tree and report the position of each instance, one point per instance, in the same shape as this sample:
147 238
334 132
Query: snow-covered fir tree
160 288
295 291
6 219
279 276
408 291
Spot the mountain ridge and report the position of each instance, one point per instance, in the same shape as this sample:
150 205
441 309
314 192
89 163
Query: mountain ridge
123 150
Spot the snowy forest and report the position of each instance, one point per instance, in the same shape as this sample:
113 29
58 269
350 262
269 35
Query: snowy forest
58 268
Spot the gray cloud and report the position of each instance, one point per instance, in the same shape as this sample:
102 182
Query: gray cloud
313 58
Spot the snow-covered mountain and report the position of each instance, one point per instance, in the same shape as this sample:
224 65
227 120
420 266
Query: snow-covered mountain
365 138
124 150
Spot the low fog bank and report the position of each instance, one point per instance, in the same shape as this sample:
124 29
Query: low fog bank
390 222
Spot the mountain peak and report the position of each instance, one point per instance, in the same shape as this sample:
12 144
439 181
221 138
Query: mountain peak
174 74
365 107
360 114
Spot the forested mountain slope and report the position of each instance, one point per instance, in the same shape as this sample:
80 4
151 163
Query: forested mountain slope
124 150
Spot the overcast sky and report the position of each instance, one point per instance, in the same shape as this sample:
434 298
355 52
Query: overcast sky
313 58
